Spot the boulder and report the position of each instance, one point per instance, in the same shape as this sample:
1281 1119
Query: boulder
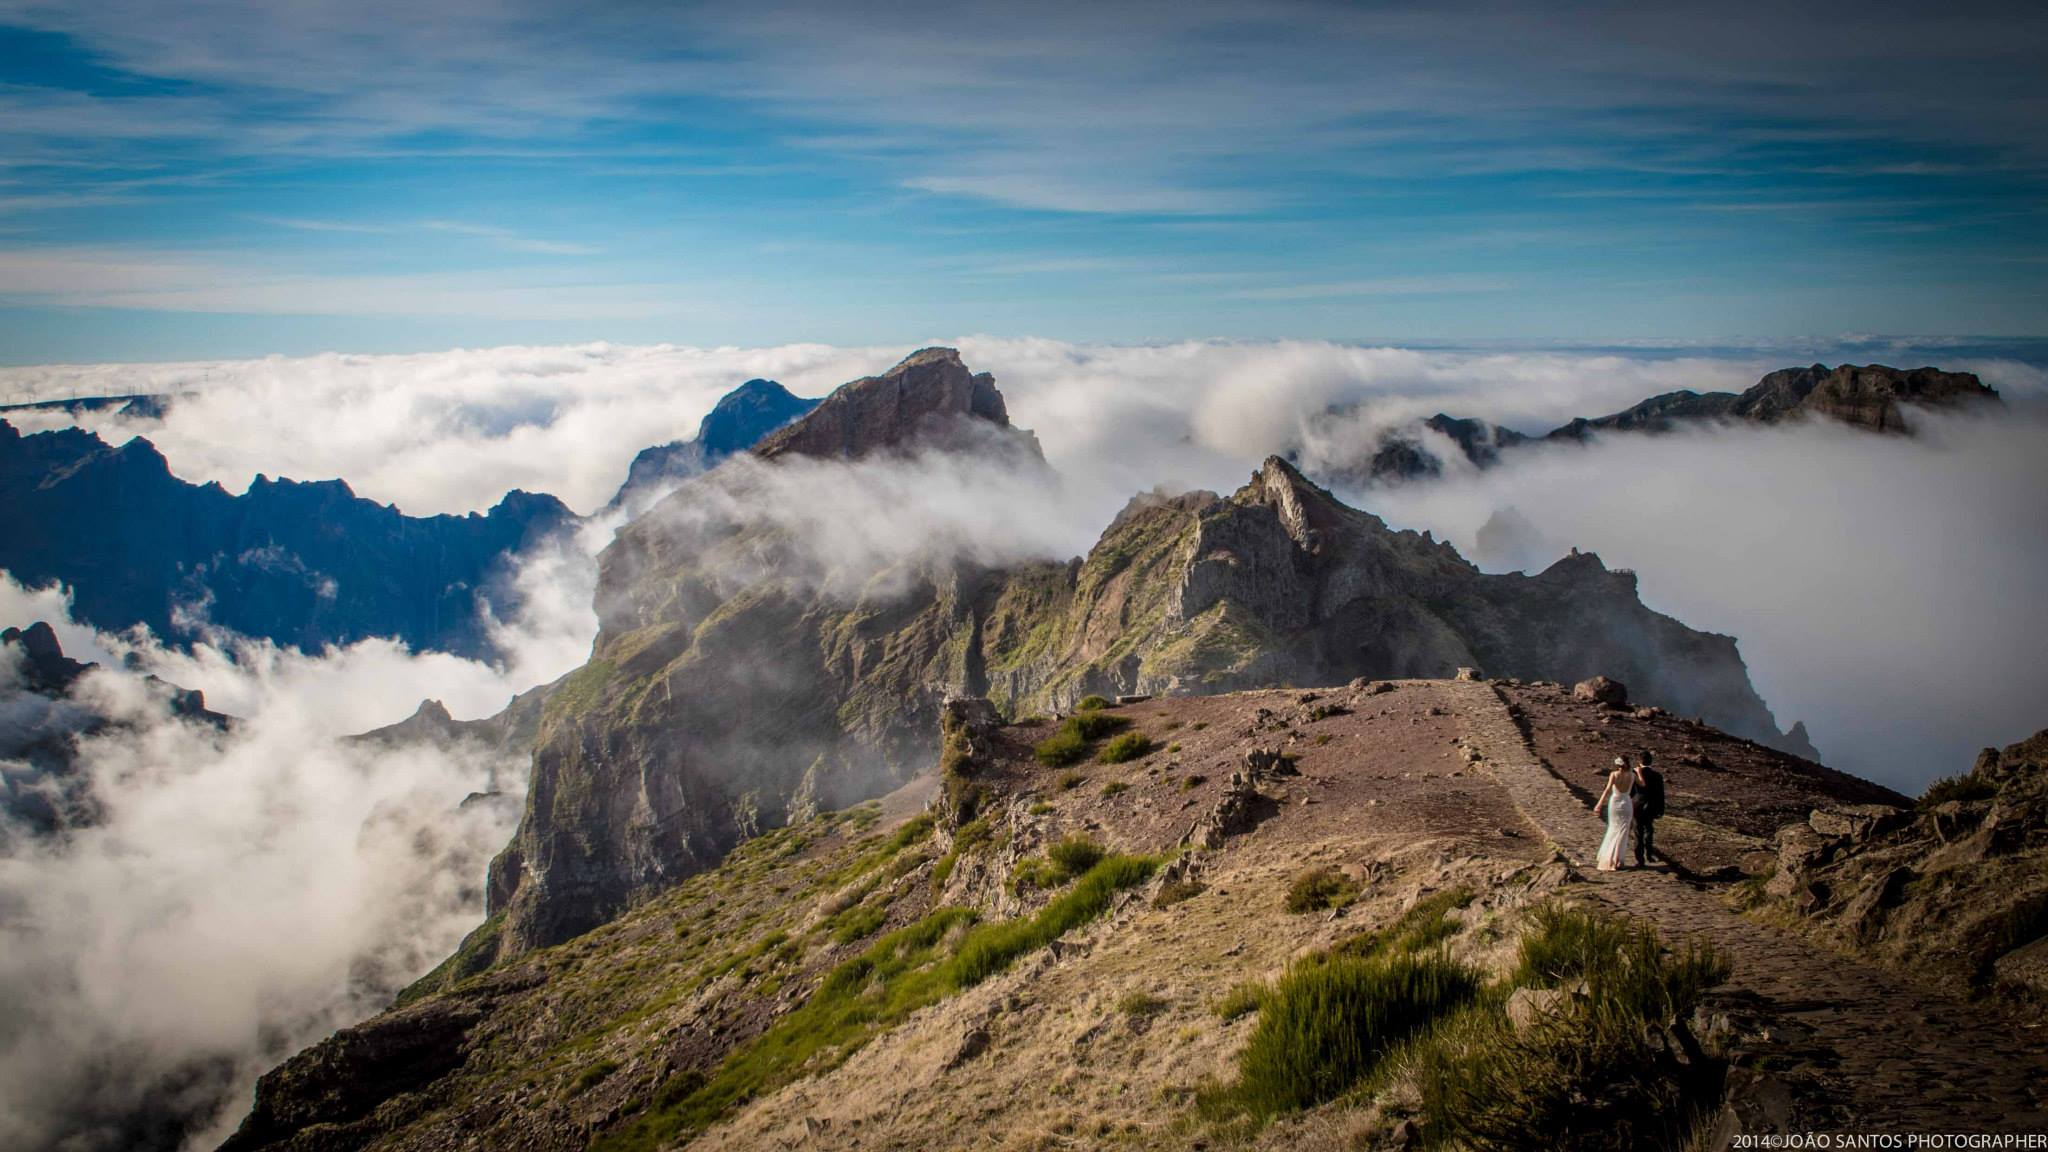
1800 848
2025 967
1601 690
1531 1006
1858 821
1469 674
1864 917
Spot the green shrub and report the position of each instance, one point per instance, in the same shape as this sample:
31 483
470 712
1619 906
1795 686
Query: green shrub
1174 891
914 830
1140 1003
990 948
1114 788
1599 1075
1041 808
1092 703
1075 855
1035 872
1069 781
1199 725
1065 746
1242 1000
857 923
1425 925
1325 1027
1968 786
1192 782
592 1076
1620 960
1096 725
1319 889
1126 747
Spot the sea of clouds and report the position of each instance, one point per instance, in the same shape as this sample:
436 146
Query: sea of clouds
1883 589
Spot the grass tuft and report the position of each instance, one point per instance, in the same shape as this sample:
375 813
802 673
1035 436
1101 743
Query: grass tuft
1319 889
1324 1027
1129 746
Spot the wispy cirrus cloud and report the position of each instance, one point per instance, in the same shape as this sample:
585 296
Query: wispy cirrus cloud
505 239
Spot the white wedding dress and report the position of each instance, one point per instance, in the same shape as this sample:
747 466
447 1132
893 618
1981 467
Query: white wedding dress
1621 818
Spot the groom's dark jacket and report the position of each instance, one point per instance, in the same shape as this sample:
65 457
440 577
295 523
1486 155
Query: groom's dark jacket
1650 802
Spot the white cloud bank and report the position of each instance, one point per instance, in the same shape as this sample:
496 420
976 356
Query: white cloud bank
243 893
1753 533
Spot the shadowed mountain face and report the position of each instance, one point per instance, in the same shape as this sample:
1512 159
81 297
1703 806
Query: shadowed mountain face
41 792
303 564
738 422
728 693
1875 397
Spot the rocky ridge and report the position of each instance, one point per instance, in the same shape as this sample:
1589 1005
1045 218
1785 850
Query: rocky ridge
740 419
1872 397
303 564
729 692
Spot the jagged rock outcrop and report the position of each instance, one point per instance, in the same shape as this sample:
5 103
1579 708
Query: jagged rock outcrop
303 564
1956 888
740 419
1282 584
1874 397
729 691
40 723
927 400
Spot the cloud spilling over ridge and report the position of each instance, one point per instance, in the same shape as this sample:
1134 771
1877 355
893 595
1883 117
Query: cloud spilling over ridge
451 432
1884 590
244 893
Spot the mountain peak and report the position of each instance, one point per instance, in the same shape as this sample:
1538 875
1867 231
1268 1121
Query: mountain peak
929 396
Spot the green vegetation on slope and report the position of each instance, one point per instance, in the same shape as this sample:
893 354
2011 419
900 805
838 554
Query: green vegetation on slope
898 974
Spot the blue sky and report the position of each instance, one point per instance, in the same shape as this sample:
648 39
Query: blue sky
220 178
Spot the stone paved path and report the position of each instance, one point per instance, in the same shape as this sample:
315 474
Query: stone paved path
1912 1058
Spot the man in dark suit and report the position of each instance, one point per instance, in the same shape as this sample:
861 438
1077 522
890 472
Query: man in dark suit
1649 805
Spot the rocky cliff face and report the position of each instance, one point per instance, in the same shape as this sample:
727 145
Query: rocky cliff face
303 564
728 693
1282 584
1873 397
927 400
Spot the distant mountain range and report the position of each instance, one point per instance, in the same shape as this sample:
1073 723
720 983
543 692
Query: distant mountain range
304 564
1871 397
739 421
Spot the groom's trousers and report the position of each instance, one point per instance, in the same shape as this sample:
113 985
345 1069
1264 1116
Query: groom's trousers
1646 840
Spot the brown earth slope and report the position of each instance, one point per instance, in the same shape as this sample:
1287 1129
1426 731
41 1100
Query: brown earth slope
808 992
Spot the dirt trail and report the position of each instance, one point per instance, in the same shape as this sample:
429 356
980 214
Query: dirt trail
1912 1058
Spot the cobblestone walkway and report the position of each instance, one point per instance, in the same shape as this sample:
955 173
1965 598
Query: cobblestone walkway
1910 1057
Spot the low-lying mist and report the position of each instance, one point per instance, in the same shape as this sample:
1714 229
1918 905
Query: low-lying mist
244 892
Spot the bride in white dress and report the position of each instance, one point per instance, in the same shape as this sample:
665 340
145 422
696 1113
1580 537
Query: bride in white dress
1619 798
